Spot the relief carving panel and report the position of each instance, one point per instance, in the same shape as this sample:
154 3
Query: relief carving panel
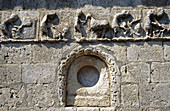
19 25
56 25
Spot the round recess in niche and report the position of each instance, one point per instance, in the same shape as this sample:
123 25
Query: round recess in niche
88 76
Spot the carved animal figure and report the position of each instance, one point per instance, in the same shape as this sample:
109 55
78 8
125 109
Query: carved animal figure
96 25
77 19
43 25
148 24
117 18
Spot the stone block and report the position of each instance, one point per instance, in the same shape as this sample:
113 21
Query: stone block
160 72
159 109
13 96
119 50
23 25
129 95
128 109
38 73
145 51
154 95
15 53
46 52
88 109
136 72
108 109
70 109
10 73
167 51
39 95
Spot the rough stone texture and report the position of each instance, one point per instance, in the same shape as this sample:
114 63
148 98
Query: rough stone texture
145 51
45 53
40 95
38 73
160 72
44 45
15 53
154 95
119 50
10 73
136 73
167 51
13 96
129 95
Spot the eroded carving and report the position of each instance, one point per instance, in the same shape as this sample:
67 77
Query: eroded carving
152 25
123 25
89 28
52 28
18 26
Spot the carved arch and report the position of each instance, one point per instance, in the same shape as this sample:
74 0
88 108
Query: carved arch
99 52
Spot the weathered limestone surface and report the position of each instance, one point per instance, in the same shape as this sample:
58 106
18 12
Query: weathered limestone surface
136 73
167 51
160 72
145 51
129 96
15 53
38 73
84 55
10 73
154 95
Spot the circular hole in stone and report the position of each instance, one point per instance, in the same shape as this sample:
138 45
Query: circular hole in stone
88 76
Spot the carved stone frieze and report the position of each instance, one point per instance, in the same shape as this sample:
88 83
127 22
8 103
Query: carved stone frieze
156 23
55 26
128 24
19 25
87 24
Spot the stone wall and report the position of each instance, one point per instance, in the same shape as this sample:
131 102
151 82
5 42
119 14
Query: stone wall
94 55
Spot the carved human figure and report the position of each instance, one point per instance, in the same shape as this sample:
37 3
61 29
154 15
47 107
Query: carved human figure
148 22
151 24
4 31
48 27
117 19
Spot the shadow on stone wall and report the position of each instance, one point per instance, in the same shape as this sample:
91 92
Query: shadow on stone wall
57 4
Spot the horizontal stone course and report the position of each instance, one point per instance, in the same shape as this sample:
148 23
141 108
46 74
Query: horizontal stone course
10 73
38 73
145 51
